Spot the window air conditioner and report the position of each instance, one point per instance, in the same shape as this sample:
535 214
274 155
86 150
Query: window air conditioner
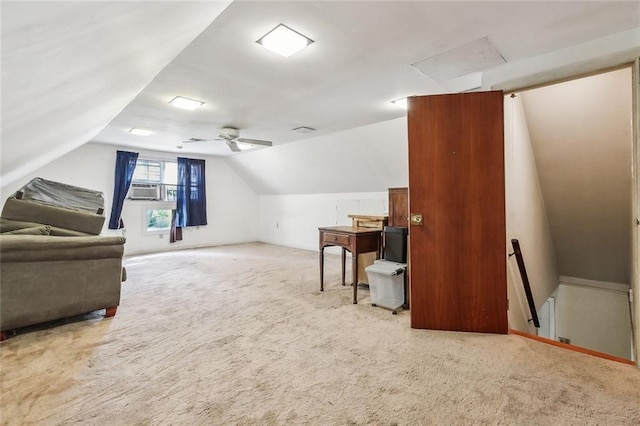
144 191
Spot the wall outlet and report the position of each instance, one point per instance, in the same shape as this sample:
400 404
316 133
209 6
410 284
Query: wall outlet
564 340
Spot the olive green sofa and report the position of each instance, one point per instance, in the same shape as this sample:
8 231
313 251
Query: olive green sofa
52 263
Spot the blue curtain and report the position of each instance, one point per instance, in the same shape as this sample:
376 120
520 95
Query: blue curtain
125 165
191 198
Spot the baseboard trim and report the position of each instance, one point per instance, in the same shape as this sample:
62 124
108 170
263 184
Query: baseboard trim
603 285
572 347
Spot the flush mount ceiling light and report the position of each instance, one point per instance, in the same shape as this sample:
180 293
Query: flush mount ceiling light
401 103
284 41
185 103
140 132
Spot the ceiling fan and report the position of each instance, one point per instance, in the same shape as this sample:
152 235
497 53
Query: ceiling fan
231 136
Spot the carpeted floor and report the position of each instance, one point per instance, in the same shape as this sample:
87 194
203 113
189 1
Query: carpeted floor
242 335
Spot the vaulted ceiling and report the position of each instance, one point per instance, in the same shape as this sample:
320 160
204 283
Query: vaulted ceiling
75 72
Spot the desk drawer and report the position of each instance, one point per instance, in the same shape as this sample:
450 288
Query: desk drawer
374 224
336 239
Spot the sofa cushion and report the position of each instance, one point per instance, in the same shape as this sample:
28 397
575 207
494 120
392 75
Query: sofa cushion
62 232
7 226
34 230
35 211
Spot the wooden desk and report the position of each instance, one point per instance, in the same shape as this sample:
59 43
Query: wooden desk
355 240
378 221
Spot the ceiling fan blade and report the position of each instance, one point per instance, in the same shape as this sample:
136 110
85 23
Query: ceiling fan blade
233 145
192 140
254 141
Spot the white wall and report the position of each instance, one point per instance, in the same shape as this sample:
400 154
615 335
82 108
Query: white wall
526 221
582 147
293 220
547 316
232 206
365 159
319 181
85 166
594 318
232 213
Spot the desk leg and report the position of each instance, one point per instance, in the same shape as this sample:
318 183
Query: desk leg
322 269
354 268
344 251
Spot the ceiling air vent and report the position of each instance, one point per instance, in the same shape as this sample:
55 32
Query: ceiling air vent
304 129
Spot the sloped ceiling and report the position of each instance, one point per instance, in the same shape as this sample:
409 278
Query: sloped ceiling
69 68
360 61
581 137
365 159
74 72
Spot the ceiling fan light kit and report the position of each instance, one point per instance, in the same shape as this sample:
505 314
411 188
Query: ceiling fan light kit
229 132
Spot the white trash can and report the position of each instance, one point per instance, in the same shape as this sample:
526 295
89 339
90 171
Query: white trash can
386 284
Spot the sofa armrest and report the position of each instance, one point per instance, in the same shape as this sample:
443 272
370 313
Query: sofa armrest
29 248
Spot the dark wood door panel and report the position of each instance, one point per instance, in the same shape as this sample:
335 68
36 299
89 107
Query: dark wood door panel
398 207
456 180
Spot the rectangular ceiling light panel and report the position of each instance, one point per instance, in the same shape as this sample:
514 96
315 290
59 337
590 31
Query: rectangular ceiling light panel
140 132
186 103
284 41
472 57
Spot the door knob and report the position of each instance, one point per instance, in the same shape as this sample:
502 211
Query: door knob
416 218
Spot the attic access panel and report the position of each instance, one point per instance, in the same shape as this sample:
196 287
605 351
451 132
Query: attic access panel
476 56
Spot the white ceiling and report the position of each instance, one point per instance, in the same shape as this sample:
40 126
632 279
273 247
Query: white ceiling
360 61
68 69
73 72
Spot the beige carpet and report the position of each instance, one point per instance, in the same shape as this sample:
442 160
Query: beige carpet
242 335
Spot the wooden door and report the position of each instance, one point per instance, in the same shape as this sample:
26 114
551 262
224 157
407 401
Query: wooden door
456 181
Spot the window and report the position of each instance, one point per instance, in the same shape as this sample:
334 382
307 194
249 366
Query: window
155 173
148 171
158 219
155 181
